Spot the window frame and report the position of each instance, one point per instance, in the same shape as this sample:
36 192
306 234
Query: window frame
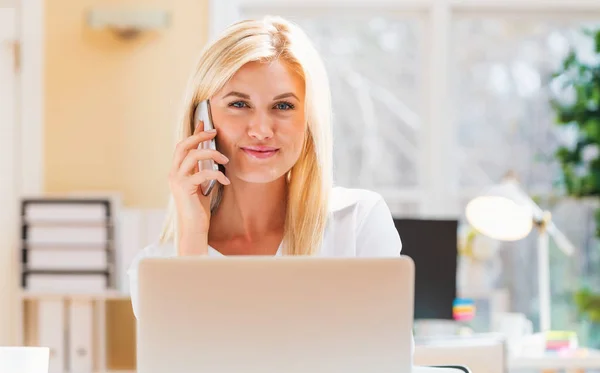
438 194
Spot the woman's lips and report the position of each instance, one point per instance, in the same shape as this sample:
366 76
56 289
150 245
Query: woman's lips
260 152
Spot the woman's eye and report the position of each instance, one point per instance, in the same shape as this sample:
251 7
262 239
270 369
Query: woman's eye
284 106
238 104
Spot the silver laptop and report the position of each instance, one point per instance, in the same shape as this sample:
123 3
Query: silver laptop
275 315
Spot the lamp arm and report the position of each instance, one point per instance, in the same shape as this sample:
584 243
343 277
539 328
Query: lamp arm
543 219
560 239
544 292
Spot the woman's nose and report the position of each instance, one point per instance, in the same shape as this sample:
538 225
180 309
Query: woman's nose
260 126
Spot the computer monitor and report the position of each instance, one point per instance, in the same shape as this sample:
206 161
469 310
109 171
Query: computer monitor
432 244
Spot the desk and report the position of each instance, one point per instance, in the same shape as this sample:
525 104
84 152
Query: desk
587 359
419 369
481 354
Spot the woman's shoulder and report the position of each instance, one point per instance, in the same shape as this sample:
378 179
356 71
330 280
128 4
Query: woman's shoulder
159 249
154 250
361 220
343 199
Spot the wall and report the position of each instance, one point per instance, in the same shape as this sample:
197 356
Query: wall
9 147
110 112
111 104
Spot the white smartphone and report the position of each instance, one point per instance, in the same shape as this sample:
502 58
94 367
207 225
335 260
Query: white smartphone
203 114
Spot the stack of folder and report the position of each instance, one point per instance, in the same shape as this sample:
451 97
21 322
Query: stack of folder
67 245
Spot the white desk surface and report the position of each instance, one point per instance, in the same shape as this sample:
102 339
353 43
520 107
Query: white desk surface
589 359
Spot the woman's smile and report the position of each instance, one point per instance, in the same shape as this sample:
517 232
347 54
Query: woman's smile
260 151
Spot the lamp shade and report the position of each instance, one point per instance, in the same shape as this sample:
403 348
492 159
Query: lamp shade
503 212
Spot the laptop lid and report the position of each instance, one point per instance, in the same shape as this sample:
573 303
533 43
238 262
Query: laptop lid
275 314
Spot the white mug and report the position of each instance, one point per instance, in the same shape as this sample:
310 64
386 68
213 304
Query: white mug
24 359
516 327
512 324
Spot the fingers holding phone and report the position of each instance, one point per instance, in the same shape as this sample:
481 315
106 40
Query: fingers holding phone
194 173
185 172
193 142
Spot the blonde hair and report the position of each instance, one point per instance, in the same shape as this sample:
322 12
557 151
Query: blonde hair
310 179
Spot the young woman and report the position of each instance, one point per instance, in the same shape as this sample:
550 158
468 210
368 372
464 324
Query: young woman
270 103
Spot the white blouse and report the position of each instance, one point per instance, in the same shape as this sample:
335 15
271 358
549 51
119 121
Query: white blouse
359 225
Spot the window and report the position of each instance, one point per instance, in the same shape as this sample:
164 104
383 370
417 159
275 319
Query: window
501 83
446 97
375 65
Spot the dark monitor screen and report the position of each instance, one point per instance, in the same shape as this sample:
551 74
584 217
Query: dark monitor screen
432 245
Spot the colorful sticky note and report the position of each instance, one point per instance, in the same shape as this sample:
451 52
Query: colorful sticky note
463 309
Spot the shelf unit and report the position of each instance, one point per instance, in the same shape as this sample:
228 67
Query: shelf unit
27 224
113 342
85 326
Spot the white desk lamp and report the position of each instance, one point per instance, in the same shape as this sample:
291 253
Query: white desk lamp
505 212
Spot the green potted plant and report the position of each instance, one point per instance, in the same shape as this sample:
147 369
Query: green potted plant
588 304
577 108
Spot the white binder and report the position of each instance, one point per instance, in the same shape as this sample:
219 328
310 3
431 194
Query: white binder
65 212
129 243
66 284
153 224
81 321
51 332
72 235
67 259
137 228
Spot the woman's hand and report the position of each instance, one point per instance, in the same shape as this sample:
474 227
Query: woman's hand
185 178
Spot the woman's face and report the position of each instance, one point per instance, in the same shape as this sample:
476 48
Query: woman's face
260 122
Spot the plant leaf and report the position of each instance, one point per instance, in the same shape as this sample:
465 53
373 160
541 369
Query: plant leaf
591 129
570 60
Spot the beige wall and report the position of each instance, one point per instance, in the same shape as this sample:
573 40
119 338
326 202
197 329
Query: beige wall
111 104
110 111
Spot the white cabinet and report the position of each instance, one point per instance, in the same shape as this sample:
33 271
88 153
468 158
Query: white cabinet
80 336
73 327
51 331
